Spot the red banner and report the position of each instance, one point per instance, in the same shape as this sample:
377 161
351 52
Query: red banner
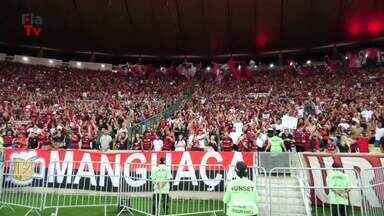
96 157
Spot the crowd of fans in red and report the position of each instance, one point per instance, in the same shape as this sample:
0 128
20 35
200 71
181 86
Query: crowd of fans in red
44 107
48 107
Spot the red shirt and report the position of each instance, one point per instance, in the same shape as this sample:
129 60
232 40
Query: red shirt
43 139
136 145
86 143
363 144
147 144
75 141
167 144
243 145
8 139
226 144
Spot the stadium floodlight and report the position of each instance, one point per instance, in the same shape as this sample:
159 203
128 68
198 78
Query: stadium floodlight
346 57
309 62
208 68
78 64
102 65
25 58
271 65
50 61
255 66
290 63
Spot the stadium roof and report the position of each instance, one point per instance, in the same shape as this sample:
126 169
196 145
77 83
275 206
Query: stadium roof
191 27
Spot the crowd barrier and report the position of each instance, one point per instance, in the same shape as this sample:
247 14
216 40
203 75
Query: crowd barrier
194 189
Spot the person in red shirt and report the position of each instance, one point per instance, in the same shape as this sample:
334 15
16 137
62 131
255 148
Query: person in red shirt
86 142
195 144
361 144
168 143
147 143
242 144
137 143
226 143
75 140
44 139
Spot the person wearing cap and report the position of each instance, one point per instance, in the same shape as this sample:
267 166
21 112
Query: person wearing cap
338 183
160 178
241 196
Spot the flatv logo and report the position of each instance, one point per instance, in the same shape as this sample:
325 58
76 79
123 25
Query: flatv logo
32 24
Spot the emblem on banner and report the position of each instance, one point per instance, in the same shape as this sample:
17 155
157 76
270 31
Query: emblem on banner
25 167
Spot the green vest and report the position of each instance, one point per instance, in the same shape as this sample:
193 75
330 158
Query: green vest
241 197
339 181
161 177
276 144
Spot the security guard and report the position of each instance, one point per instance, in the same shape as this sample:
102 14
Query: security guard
241 196
161 177
338 184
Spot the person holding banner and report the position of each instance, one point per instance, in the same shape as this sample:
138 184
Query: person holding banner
241 196
161 177
338 184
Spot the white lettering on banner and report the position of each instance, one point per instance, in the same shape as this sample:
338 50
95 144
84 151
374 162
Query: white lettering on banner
86 170
142 172
317 176
212 183
55 170
185 162
105 166
237 156
368 176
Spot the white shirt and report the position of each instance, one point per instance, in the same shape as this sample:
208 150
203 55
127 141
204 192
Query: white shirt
379 133
235 136
180 145
238 127
260 140
367 114
157 144
104 142
344 125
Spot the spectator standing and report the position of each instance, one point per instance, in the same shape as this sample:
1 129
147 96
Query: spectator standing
157 144
105 140
180 144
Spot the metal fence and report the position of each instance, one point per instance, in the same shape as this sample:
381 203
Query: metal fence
193 189
293 191
372 181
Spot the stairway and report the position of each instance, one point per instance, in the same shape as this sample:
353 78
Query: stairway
286 195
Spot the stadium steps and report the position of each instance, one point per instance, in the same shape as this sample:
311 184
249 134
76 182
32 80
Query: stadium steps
286 196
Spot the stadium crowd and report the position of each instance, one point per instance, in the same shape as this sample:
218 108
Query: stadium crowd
48 107
52 108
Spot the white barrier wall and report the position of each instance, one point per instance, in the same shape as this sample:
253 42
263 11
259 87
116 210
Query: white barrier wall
38 61
90 65
2 56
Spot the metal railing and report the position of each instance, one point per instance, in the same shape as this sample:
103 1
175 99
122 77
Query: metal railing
193 189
